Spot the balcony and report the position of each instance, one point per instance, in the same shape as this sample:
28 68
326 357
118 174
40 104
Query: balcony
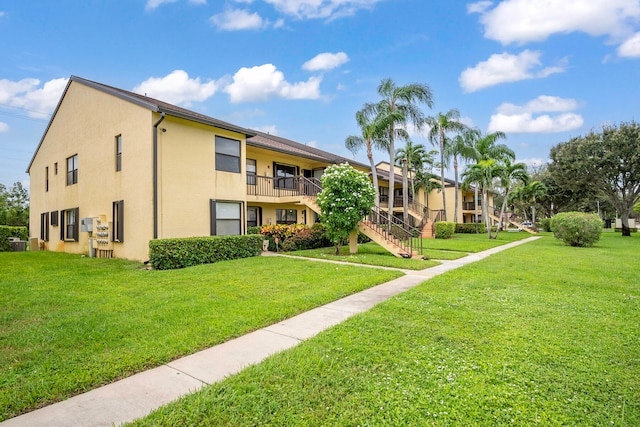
275 187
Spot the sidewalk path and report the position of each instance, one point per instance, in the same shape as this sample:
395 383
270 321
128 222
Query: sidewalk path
136 396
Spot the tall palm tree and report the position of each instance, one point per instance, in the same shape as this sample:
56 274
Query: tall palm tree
534 191
372 137
461 146
440 125
404 100
486 148
482 175
416 155
509 174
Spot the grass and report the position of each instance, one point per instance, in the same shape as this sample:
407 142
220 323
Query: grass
369 254
473 242
69 324
541 334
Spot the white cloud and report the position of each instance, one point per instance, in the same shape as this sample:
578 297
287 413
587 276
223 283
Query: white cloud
543 103
263 82
534 162
313 144
25 94
522 21
511 118
270 129
503 68
237 19
177 88
3 126
152 4
631 47
326 61
329 9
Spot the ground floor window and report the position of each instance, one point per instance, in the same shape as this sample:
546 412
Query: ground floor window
253 216
286 216
44 226
117 232
70 225
226 218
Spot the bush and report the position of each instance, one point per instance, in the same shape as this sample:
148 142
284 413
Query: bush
470 228
254 230
307 238
7 231
545 224
444 230
577 228
166 254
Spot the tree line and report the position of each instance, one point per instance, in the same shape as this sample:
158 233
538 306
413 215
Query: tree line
14 205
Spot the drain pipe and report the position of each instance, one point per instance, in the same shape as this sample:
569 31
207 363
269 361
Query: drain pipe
155 175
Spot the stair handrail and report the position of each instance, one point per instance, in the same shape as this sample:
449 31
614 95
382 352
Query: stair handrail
309 186
403 235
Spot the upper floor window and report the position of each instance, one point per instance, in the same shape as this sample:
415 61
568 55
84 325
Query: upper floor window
72 170
55 168
46 179
284 175
119 153
227 154
251 171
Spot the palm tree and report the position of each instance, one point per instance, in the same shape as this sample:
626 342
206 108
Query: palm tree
403 100
371 129
461 146
533 191
440 125
482 174
508 174
416 155
486 148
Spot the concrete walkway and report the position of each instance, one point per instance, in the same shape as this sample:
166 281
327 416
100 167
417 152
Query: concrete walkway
136 396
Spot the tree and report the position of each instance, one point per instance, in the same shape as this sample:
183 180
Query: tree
404 100
531 194
371 128
607 161
440 125
482 175
14 205
508 174
461 146
347 196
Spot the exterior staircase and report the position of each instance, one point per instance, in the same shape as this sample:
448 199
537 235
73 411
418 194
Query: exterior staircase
397 237
426 218
515 223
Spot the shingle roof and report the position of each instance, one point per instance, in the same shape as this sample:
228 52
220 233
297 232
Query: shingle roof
283 145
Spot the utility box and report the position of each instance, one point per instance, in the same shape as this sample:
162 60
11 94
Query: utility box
86 224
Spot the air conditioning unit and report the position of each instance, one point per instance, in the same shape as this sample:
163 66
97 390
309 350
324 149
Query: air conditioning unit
86 224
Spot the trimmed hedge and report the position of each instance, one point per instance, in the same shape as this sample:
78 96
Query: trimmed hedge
253 230
444 230
166 254
7 231
577 228
545 224
470 228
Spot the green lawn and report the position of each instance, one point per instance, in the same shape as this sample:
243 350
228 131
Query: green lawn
71 323
539 335
368 253
473 242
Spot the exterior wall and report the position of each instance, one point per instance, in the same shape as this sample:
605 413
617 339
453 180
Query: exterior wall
86 124
188 179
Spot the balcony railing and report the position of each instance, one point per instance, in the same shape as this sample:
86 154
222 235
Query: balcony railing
470 206
281 187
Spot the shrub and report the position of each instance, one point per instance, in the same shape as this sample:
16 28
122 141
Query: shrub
254 230
577 228
444 230
166 254
470 228
307 238
545 224
7 231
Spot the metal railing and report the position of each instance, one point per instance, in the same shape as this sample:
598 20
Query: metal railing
396 231
282 186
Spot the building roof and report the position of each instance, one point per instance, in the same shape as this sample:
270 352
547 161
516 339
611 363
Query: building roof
283 145
152 104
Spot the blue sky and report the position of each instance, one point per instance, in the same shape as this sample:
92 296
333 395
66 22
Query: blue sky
542 71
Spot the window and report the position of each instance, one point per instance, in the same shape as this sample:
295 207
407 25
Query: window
117 231
70 225
118 153
46 179
44 226
285 175
251 171
72 170
227 154
226 218
286 216
253 216
54 218
55 168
